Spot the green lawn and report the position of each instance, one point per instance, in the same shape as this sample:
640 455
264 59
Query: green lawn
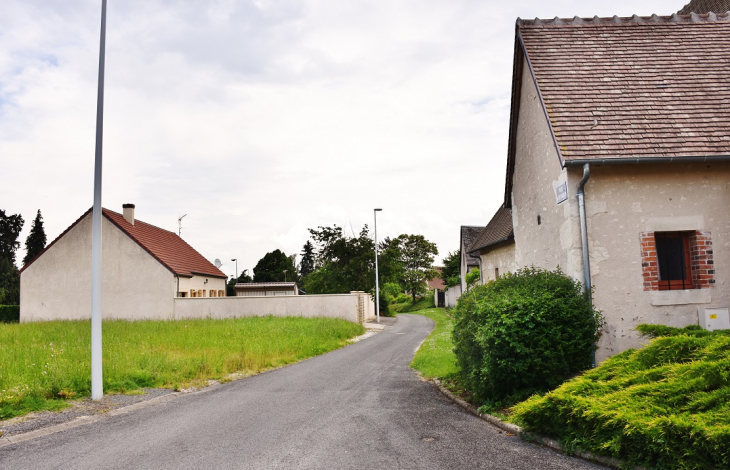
435 358
42 364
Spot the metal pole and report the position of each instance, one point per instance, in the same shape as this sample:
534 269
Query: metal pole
377 287
97 383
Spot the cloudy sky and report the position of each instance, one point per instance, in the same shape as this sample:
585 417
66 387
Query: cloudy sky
261 118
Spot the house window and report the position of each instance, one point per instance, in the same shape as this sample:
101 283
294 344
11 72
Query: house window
677 260
673 258
193 293
496 273
221 293
212 293
182 294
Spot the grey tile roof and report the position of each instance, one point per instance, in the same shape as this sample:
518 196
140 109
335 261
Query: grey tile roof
705 6
498 230
469 234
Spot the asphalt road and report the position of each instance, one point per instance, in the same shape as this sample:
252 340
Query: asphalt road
360 407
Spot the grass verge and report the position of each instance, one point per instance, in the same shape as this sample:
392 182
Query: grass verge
435 358
44 364
666 405
409 307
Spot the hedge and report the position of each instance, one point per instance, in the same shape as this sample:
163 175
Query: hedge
9 313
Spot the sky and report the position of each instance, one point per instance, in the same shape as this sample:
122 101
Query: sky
259 119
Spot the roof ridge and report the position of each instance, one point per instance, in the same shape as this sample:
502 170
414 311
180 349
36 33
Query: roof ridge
636 19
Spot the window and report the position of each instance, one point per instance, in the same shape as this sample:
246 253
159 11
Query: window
496 273
677 260
221 293
193 293
182 294
212 293
673 257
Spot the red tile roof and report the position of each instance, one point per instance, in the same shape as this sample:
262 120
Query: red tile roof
633 87
165 246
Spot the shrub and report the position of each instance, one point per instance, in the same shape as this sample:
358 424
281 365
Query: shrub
9 313
666 405
390 290
402 298
523 333
655 331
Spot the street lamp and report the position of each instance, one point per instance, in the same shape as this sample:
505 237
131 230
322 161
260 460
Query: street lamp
236 260
377 287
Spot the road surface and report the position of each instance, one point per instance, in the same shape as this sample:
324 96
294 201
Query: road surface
360 407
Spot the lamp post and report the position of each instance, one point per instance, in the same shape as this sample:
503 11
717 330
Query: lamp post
377 286
236 260
97 383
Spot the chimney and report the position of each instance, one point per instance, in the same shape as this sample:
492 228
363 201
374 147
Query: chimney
128 212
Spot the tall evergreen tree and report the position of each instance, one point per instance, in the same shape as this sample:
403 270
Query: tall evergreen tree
275 267
307 264
36 241
10 227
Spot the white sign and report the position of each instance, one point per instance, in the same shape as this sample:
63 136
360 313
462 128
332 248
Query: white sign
561 193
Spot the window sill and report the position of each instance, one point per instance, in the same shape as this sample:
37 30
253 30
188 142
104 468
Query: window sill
681 297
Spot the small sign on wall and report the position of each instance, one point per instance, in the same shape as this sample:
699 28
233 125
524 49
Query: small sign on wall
561 192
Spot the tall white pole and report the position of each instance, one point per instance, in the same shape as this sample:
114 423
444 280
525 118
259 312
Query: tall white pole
377 283
97 383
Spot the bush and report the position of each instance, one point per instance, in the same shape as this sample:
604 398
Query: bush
402 298
9 313
663 406
655 331
524 333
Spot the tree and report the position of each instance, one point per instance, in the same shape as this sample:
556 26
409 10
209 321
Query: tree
451 273
417 256
36 241
275 267
307 265
231 284
342 264
10 227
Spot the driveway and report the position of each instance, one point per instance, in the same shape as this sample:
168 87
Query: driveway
354 408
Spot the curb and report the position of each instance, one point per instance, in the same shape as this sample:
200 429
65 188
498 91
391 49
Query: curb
517 430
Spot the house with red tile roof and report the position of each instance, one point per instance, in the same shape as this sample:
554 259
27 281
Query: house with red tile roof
144 268
495 246
619 165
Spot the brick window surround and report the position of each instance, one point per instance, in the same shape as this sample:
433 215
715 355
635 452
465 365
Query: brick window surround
701 261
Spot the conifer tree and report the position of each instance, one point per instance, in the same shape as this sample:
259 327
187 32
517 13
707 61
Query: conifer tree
36 241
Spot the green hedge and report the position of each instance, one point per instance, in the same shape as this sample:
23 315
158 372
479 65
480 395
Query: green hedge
9 313
524 333
666 406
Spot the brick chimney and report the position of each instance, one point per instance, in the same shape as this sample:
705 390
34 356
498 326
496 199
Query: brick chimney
128 212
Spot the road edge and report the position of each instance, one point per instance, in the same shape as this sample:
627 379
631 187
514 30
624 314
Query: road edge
524 435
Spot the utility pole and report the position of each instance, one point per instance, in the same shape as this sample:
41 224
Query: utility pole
97 382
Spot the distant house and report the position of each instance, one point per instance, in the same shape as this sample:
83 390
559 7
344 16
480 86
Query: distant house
630 115
263 289
495 246
468 260
143 269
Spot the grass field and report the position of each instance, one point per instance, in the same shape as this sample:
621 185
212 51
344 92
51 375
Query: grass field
435 358
44 364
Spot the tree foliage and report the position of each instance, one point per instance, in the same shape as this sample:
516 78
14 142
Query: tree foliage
306 266
231 284
342 264
416 258
10 227
451 274
523 333
36 241
275 266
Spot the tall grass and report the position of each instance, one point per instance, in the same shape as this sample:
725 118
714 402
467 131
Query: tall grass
42 364
435 358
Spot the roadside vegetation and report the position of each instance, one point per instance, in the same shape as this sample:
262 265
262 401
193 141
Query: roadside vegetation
44 364
435 358
665 406
521 334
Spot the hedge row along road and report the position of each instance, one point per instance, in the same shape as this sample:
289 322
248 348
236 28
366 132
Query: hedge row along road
357 407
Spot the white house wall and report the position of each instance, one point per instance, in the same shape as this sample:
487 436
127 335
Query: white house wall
502 258
198 282
58 284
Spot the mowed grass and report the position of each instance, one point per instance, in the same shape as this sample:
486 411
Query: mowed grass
44 364
435 358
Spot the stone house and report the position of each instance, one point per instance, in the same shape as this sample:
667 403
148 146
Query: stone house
495 246
619 165
144 268
468 260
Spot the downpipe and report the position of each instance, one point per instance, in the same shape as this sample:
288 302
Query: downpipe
584 240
